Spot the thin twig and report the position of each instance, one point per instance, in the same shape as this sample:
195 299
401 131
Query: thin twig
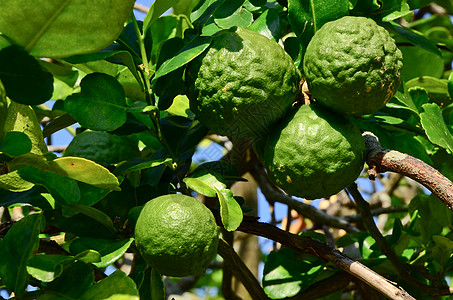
382 160
240 270
377 212
386 249
305 210
141 7
308 245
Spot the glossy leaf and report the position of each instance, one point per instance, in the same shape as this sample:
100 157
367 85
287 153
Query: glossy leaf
268 24
450 85
205 182
88 256
3 110
116 286
437 88
13 182
24 79
102 147
241 18
22 118
109 250
63 189
307 16
158 7
18 245
15 143
86 171
287 273
124 56
101 104
189 52
434 125
93 26
46 267
94 214
141 163
75 279
420 62
204 10
157 286
230 211
416 38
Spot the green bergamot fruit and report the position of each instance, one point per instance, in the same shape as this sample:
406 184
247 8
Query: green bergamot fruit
242 84
177 235
352 66
314 153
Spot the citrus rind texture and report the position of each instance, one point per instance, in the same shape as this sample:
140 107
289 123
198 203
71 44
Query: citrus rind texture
353 66
242 84
177 235
314 153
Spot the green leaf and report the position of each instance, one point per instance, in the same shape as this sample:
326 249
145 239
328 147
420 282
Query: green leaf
434 125
287 273
46 267
403 96
95 214
230 211
84 170
58 123
13 182
204 10
420 62
241 18
63 28
116 286
450 85
397 14
205 182
63 189
101 104
76 278
142 163
15 143
123 56
437 88
24 79
416 38
88 256
443 249
419 96
109 250
22 118
3 110
18 245
268 24
307 16
102 147
157 286
158 7
189 52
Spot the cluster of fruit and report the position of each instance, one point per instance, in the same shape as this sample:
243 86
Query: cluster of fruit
245 85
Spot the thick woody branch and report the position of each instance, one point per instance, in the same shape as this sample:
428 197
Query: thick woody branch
322 251
240 270
305 210
382 160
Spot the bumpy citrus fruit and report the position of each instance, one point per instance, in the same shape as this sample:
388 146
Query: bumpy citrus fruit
352 66
177 235
314 153
242 84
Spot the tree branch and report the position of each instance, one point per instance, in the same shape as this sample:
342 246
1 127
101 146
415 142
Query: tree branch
322 251
308 211
382 160
240 270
